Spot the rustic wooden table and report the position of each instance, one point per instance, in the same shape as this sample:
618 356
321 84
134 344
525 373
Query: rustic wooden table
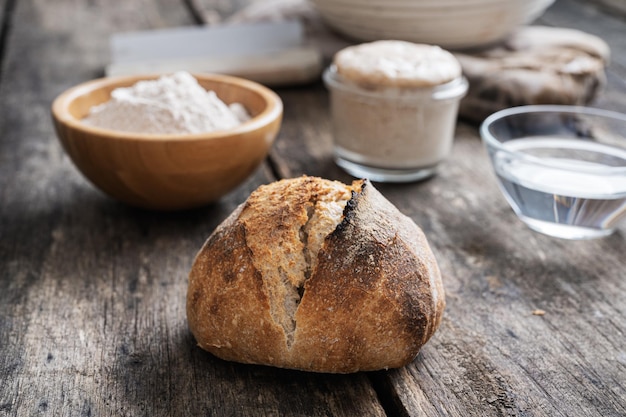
92 293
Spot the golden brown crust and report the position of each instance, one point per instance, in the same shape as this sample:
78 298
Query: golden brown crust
370 298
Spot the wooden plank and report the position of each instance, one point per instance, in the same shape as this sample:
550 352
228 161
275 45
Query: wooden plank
492 355
5 5
92 307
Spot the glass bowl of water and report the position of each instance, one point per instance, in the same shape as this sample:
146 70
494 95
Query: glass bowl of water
561 168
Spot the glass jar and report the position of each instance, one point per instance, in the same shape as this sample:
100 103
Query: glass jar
392 133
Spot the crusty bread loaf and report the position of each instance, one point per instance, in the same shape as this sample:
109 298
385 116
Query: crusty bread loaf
315 275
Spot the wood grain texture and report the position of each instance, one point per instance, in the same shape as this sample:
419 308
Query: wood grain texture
92 307
4 19
92 311
492 355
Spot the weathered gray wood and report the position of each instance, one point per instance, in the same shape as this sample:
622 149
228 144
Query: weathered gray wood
3 6
492 355
92 318
92 307
4 27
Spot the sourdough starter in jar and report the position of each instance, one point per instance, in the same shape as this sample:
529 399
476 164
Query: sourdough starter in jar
394 106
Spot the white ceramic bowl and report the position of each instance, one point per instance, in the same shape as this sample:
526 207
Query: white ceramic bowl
452 24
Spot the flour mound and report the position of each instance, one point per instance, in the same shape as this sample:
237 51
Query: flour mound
172 104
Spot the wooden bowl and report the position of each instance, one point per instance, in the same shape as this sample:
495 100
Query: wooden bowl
168 172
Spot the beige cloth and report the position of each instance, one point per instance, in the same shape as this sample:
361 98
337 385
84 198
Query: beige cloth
536 65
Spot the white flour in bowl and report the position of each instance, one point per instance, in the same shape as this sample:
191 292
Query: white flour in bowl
172 104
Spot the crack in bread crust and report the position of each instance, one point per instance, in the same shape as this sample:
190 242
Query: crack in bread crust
304 238
308 211
303 235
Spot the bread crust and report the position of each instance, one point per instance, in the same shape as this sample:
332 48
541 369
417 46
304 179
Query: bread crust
369 300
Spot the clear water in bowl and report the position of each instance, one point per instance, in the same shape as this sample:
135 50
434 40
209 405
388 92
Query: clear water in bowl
569 193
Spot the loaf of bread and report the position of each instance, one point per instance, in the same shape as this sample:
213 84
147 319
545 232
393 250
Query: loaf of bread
316 275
